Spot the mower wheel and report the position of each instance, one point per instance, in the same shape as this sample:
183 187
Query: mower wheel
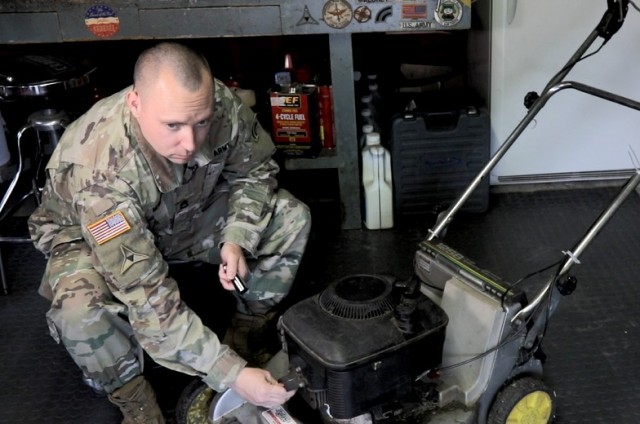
525 400
193 404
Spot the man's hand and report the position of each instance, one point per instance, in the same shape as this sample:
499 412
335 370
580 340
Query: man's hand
259 387
232 263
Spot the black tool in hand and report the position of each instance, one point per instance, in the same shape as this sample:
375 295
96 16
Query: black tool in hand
240 286
237 281
293 380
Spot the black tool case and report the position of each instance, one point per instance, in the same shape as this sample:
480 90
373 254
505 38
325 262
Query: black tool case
435 155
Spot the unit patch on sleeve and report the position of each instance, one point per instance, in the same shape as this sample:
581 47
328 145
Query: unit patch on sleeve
129 257
109 227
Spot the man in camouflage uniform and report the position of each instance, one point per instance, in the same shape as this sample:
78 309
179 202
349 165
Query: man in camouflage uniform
174 167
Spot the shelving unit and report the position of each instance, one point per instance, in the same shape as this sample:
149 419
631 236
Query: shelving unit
345 156
42 21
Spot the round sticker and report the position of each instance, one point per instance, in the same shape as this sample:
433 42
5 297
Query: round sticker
102 21
362 14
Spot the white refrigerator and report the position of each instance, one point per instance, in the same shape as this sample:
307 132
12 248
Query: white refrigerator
575 136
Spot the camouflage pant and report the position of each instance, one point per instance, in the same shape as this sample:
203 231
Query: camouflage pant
91 323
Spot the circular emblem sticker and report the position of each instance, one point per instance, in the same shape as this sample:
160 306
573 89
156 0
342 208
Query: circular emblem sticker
102 21
362 14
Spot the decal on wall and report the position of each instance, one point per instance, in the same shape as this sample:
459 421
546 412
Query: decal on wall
414 10
384 14
102 21
337 13
306 18
362 14
448 12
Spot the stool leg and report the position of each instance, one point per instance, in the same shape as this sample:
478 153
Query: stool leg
7 195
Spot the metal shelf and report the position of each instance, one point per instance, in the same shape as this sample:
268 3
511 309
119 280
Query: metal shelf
345 156
326 160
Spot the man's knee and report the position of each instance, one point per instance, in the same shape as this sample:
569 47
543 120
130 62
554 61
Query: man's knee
293 213
78 310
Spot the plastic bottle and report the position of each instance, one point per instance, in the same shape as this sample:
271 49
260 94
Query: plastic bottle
284 78
366 118
378 184
376 100
366 102
366 129
4 149
382 117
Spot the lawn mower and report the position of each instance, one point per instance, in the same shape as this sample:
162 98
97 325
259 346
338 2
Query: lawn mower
454 343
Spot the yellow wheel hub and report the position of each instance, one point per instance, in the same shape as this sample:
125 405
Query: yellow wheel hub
534 408
199 409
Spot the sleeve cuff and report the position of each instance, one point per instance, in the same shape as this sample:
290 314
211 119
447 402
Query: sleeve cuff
225 371
243 237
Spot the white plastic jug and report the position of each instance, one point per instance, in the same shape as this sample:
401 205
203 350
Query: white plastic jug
378 184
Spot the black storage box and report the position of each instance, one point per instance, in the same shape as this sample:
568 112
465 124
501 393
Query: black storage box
352 348
434 157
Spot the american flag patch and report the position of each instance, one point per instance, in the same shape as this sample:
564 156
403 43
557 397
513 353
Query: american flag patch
109 227
414 11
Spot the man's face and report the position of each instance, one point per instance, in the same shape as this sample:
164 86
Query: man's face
174 120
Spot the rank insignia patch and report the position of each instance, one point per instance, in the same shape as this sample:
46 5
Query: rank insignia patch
109 227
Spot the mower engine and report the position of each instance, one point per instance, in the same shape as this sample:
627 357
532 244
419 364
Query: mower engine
362 343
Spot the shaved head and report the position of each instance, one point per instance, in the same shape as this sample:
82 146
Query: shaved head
172 100
187 67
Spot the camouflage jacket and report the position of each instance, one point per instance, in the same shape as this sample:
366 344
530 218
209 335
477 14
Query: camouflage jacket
106 186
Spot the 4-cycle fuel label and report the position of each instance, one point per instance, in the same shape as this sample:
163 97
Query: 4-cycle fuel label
291 116
290 113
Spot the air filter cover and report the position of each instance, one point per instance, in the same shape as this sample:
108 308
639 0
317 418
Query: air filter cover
360 343
353 320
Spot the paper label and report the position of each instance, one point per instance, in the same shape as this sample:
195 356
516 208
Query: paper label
278 415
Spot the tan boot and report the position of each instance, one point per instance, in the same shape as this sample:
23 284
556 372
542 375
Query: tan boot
137 402
253 337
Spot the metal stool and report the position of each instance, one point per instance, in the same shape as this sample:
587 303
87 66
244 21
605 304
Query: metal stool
47 125
52 84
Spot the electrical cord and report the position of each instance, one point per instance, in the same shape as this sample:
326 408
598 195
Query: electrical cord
569 66
526 277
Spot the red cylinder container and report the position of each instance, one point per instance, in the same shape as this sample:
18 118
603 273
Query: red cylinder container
325 114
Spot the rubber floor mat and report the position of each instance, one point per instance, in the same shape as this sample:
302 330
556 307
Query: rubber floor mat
592 342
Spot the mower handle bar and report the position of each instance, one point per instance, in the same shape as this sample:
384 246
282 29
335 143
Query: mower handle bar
573 256
610 23
444 220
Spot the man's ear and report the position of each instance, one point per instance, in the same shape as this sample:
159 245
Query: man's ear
133 101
